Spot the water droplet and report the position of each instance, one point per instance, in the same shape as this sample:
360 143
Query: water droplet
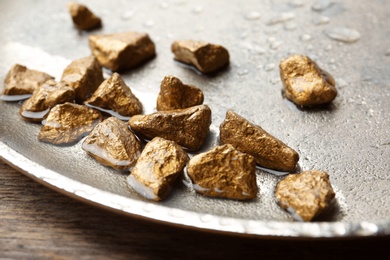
387 53
164 5
320 20
197 9
242 72
371 112
281 18
305 37
244 35
274 80
343 34
149 23
259 50
290 26
251 16
297 3
321 5
275 45
128 14
269 67
328 47
199 29
341 83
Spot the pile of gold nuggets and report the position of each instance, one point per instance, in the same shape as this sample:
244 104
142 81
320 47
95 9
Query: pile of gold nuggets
106 111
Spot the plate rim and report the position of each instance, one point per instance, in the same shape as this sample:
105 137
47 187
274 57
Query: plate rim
188 219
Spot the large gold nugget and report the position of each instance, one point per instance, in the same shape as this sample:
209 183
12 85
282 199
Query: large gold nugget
305 195
176 95
224 172
113 94
113 144
67 123
45 97
206 57
305 83
82 17
188 127
246 137
158 167
21 81
84 75
122 51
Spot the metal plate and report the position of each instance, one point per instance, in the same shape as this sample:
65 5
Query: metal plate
350 140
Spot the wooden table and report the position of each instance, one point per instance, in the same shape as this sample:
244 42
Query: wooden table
38 223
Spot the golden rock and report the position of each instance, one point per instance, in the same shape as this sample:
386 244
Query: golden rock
114 95
121 51
67 123
305 195
21 81
176 95
224 172
188 127
247 137
82 17
113 144
206 57
305 83
84 75
44 98
160 164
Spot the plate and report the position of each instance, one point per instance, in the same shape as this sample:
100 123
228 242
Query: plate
349 139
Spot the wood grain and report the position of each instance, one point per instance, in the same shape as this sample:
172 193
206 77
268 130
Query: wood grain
38 223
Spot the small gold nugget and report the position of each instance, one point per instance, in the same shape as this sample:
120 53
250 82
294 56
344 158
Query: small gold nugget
82 17
305 195
206 57
122 51
176 95
84 75
45 97
224 172
247 137
188 127
158 167
113 144
67 123
305 83
21 81
114 95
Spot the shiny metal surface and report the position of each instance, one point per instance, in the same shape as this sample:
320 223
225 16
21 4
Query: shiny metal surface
350 140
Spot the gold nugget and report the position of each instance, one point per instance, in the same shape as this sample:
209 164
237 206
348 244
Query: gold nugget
176 95
82 17
224 172
305 83
157 169
20 81
45 97
67 123
84 75
122 51
247 137
113 144
114 95
305 195
206 57
188 127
